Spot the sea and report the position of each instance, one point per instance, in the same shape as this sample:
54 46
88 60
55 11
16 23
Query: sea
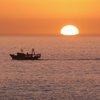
69 68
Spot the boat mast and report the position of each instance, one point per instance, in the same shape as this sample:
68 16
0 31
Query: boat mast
33 51
21 50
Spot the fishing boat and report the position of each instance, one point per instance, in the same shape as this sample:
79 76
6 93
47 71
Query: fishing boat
27 56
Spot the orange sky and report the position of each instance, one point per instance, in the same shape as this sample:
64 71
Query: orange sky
18 17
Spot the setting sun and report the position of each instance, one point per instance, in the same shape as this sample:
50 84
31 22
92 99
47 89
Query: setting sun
69 30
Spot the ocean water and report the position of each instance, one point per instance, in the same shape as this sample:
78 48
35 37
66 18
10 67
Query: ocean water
68 70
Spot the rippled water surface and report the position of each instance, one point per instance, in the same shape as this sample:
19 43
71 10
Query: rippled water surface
68 70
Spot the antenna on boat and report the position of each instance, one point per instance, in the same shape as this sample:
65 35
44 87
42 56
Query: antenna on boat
33 51
21 50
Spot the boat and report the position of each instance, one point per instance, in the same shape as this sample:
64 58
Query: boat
27 56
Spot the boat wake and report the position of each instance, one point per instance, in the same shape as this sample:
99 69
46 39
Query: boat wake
97 59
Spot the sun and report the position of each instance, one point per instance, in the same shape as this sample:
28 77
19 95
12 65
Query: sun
69 30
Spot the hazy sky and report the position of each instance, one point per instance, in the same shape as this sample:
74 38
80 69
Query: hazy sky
18 17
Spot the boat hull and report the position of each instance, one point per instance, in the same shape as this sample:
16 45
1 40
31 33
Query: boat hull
35 57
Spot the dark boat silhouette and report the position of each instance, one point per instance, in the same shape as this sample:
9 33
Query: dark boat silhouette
27 56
